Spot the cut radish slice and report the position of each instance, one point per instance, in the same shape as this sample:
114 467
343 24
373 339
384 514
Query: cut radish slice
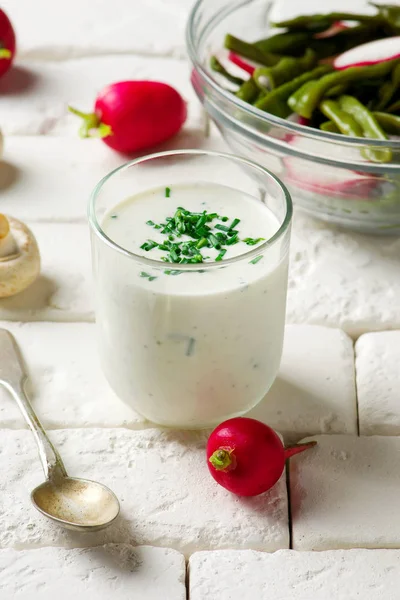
369 54
240 62
333 30
324 179
329 181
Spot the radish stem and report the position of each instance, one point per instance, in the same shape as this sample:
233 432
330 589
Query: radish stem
223 459
297 448
91 126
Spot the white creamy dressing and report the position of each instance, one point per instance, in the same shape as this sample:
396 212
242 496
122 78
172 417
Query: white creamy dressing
189 350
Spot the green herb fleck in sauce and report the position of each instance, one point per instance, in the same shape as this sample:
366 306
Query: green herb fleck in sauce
200 231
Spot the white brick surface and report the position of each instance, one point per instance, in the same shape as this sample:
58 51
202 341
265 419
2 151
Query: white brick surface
115 571
50 178
315 389
378 383
63 290
288 9
344 493
343 279
148 27
284 575
66 385
34 95
167 495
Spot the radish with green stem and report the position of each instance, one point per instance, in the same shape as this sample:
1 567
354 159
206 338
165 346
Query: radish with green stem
247 457
7 43
130 116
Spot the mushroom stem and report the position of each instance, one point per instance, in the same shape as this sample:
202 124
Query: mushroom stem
4 226
8 246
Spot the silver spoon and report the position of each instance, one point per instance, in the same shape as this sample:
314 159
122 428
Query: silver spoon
78 504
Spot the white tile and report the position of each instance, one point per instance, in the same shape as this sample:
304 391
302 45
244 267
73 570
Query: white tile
66 384
286 574
63 290
315 389
167 495
344 493
288 9
46 178
148 27
34 95
343 279
116 571
378 383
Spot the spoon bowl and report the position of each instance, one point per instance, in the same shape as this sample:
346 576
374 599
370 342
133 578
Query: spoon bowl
77 504
73 503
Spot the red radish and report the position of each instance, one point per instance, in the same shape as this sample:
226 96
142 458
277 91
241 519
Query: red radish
369 54
247 457
239 62
134 115
329 181
332 30
7 43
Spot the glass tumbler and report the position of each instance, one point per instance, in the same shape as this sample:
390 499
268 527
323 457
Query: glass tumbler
189 345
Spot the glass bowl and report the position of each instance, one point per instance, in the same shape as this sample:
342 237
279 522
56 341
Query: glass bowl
327 174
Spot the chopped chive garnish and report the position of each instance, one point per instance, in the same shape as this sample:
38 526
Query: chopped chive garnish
234 223
114 216
167 192
190 347
197 230
149 245
232 240
147 276
256 260
253 241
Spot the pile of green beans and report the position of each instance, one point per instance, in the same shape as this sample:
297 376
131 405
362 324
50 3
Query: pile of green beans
296 75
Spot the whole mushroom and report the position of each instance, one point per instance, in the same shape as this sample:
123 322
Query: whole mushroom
19 256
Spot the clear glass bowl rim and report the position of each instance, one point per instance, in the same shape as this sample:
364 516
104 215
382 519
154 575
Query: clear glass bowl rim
255 112
97 229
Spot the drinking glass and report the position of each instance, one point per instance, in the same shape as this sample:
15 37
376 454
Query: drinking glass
189 345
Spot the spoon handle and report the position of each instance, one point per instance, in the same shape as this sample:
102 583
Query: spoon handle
13 377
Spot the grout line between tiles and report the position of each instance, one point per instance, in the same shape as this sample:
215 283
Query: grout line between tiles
290 524
356 388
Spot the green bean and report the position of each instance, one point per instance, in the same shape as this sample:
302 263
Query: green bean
343 121
250 51
395 107
338 90
286 43
389 123
369 124
286 69
389 88
390 14
317 23
305 100
345 40
363 116
276 101
248 91
218 68
329 126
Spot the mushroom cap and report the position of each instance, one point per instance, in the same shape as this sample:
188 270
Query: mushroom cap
21 269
